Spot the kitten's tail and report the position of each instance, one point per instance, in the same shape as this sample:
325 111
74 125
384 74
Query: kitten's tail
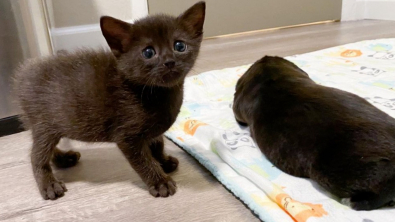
25 121
18 79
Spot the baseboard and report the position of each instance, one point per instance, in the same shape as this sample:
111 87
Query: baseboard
383 10
10 125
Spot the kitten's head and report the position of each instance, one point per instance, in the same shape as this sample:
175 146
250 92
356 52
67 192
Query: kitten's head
157 50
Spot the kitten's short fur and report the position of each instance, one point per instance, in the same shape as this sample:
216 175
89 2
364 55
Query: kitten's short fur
121 96
307 130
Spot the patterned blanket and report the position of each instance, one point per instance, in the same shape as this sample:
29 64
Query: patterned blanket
206 129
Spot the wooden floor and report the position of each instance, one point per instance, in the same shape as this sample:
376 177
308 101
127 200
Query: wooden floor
103 187
246 48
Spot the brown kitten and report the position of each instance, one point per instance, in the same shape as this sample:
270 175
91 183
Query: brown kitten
334 137
130 96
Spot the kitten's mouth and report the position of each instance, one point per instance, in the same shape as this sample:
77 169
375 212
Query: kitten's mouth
171 76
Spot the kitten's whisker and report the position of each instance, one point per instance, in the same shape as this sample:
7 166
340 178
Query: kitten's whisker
151 83
142 92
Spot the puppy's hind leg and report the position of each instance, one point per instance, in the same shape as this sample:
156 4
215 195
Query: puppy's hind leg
371 201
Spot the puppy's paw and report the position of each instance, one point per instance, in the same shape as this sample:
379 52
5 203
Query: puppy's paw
360 205
346 201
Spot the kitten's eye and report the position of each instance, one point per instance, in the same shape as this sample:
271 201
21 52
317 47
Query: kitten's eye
180 46
148 52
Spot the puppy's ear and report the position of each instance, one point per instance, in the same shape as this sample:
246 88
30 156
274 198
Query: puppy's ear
117 34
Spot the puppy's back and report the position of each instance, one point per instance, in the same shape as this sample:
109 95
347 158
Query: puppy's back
337 138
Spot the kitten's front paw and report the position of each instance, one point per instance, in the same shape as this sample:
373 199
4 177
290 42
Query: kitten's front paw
170 164
163 188
52 189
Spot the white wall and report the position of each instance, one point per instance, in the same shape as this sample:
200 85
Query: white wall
368 9
380 9
83 12
75 23
353 10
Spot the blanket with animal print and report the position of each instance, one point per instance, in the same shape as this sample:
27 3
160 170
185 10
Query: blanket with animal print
206 129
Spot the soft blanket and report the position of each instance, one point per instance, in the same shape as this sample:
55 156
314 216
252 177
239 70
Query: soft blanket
206 129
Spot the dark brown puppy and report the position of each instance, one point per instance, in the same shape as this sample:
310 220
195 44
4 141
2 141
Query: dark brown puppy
130 96
307 130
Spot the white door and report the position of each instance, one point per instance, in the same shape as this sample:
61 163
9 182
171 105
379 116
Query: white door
232 16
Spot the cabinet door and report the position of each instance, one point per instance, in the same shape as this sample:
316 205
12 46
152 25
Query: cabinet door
23 35
233 16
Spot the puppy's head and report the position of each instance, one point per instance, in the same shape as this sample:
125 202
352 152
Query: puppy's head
269 71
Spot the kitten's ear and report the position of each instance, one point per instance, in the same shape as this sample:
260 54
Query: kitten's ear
117 34
193 18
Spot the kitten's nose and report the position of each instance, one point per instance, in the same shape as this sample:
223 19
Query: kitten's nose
169 64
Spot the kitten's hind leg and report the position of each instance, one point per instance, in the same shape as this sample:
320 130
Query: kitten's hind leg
65 159
167 162
44 144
